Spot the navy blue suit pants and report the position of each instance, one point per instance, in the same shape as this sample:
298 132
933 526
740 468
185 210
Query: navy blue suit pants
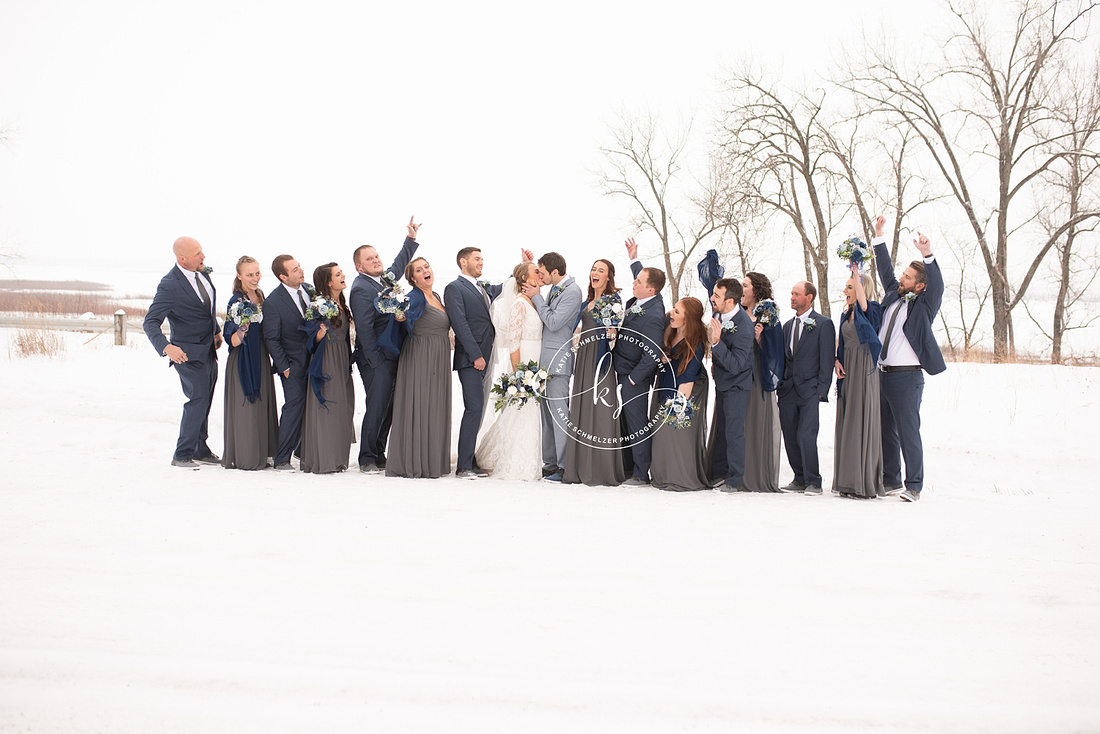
799 421
900 396
728 451
198 380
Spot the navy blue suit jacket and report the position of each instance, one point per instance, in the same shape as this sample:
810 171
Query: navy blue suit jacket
191 325
732 356
288 345
636 357
922 309
369 323
809 371
470 320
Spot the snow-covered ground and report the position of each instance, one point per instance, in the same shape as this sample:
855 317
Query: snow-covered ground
135 597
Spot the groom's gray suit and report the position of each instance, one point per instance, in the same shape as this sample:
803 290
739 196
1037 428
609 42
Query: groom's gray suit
558 311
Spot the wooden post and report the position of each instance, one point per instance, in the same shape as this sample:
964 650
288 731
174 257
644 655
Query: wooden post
120 328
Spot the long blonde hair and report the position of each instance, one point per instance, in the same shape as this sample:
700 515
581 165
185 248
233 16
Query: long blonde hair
238 286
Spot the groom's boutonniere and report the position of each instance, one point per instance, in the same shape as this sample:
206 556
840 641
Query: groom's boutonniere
485 284
206 270
729 327
636 310
910 296
809 324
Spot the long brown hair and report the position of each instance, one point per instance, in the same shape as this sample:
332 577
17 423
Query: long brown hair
321 277
410 269
238 286
693 334
761 286
610 287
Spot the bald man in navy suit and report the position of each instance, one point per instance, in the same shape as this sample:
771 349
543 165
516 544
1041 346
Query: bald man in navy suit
186 297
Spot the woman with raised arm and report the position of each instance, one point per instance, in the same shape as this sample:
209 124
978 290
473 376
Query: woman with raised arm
679 446
251 425
762 429
420 437
592 454
327 428
857 454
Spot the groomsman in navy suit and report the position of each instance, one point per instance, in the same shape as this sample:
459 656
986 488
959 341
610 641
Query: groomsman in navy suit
731 337
467 301
810 349
377 366
909 309
284 312
186 297
636 359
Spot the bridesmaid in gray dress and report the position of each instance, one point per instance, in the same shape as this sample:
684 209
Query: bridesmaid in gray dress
420 437
679 454
762 430
857 457
251 426
585 463
327 429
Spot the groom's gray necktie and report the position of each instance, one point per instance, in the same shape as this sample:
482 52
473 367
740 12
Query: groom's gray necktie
890 330
203 294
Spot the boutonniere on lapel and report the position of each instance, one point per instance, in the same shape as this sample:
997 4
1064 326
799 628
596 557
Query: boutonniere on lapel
910 296
809 324
729 327
206 270
636 310
311 291
485 284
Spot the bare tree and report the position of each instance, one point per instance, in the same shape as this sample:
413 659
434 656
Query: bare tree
777 140
989 93
645 166
968 296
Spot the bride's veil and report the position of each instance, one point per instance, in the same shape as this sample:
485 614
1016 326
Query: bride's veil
500 360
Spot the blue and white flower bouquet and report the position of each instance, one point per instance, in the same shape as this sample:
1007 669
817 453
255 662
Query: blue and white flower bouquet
245 312
766 313
855 250
525 383
392 299
677 411
322 309
608 310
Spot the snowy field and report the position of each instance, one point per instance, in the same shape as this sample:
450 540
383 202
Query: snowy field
135 597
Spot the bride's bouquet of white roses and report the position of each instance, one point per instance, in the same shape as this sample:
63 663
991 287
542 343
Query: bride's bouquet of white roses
245 312
608 310
392 299
677 411
525 383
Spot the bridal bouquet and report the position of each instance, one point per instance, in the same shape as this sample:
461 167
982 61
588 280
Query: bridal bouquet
246 312
523 384
854 250
608 310
392 299
766 313
677 411
321 308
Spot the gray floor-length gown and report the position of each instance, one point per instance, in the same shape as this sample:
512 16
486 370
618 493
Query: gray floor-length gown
857 455
584 462
680 454
762 434
328 431
251 429
420 437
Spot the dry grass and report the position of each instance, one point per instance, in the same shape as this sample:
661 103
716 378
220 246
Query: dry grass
981 355
36 343
62 304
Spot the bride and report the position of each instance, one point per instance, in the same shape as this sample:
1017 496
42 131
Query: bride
510 444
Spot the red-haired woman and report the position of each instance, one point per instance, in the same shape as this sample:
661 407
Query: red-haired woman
679 446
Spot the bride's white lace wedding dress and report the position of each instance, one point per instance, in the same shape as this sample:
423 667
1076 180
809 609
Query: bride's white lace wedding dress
510 444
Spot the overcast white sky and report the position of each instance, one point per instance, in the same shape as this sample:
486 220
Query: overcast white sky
313 128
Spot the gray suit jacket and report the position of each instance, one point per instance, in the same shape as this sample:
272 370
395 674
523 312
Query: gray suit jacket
559 319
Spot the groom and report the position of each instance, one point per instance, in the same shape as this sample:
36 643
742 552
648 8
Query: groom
559 317
467 300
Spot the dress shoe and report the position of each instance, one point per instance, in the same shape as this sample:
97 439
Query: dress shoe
910 496
547 471
480 472
555 477
636 482
184 464
812 489
209 459
371 469
285 466
793 487
892 489
466 474
730 489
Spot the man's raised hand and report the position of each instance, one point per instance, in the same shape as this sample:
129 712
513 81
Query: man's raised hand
631 248
880 226
526 255
923 244
413 229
